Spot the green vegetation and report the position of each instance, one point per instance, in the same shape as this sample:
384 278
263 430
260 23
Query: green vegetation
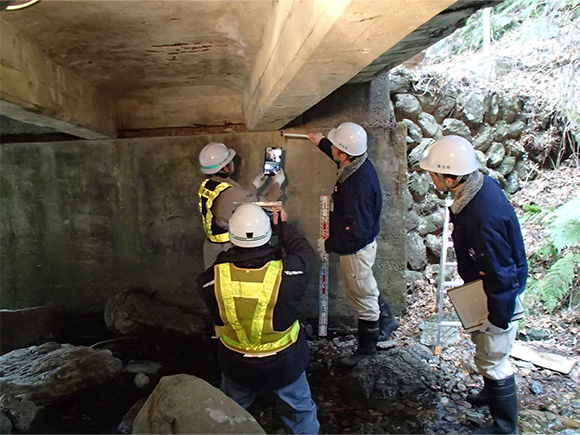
526 20
534 51
560 255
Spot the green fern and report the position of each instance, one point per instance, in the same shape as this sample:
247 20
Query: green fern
532 213
564 230
554 287
548 252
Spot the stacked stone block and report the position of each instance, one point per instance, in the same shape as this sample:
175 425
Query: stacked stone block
493 122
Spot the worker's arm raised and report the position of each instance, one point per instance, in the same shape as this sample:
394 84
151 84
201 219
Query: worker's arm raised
315 138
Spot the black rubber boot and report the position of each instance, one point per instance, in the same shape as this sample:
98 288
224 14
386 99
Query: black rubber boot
368 335
503 405
388 323
479 398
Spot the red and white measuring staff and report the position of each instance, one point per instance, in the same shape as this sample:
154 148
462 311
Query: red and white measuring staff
323 297
324 231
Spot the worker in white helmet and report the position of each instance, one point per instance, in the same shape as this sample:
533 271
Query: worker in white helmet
254 293
489 246
218 192
354 224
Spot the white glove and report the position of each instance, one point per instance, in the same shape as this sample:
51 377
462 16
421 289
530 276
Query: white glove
259 180
489 328
321 249
279 177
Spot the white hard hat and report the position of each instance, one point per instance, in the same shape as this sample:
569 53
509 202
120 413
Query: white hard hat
350 138
452 155
215 156
249 226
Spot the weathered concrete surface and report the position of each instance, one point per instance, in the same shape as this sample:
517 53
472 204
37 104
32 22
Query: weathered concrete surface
368 104
312 48
80 221
83 220
36 89
90 68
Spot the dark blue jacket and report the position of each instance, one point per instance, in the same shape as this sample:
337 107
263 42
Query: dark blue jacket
356 211
487 237
276 371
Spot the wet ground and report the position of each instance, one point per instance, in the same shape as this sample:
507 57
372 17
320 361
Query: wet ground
549 401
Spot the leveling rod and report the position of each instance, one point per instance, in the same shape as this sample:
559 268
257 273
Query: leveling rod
294 135
323 284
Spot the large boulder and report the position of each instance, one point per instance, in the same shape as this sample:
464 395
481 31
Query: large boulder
432 223
416 252
414 133
511 107
512 183
400 81
433 245
30 326
41 375
493 111
501 131
446 103
419 184
395 374
429 125
483 140
495 154
474 106
456 127
429 100
515 129
137 313
507 165
184 404
407 106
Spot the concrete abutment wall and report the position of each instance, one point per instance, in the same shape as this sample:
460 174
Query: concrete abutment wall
80 221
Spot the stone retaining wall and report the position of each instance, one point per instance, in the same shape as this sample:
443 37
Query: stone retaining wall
496 125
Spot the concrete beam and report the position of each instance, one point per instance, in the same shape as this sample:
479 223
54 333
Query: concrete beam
35 89
312 48
151 113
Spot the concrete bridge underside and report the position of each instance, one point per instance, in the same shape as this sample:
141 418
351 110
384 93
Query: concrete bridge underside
106 69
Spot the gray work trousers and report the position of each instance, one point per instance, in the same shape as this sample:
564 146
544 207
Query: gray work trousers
492 352
356 273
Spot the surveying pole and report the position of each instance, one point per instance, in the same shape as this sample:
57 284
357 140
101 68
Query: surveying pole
323 295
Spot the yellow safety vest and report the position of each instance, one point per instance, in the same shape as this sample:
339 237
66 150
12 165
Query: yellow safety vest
246 300
208 192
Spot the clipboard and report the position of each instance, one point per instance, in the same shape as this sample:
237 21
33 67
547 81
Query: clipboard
470 303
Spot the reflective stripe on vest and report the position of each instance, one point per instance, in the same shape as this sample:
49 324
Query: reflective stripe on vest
206 198
246 299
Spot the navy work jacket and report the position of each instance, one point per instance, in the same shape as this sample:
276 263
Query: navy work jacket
283 368
487 238
356 208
